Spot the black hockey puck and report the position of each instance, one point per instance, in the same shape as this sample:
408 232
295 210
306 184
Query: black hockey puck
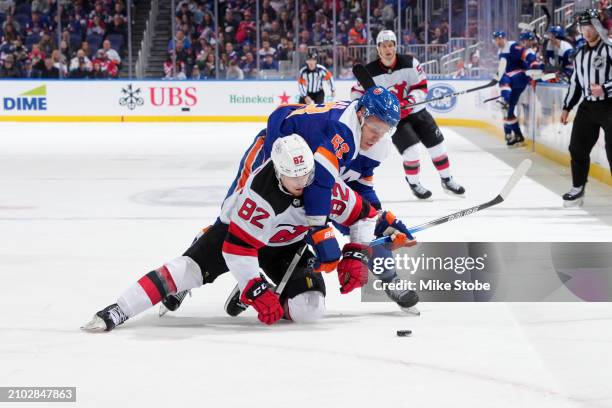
404 333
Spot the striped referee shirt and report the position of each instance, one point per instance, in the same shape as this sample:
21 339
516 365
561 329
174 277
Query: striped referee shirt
592 65
312 81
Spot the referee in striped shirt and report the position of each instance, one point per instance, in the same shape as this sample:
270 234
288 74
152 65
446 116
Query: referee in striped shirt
310 81
591 80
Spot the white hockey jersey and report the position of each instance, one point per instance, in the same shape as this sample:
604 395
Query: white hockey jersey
265 215
406 79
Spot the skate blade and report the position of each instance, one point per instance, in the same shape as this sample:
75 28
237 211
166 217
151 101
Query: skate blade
453 194
573 204
412 311
163 310
424 200
95 325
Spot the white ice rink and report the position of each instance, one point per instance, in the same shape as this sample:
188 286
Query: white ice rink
86 209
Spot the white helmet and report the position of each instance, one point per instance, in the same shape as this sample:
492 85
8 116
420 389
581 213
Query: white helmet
386 35
292 156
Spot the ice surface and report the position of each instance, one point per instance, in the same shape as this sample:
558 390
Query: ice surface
86 209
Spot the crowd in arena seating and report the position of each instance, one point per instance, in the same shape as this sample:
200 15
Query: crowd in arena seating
194 42
90 44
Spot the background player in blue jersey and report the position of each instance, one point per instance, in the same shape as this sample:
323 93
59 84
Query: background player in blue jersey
559 52
514 60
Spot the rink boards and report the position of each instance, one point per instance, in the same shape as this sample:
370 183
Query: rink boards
252 101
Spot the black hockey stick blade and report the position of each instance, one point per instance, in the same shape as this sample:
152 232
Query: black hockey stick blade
489 84
363 76
491 99
519 172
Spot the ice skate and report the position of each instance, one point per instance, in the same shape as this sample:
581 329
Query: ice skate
233 305
106 319
172 302
405 299
420 192
574 198
515 141
451 187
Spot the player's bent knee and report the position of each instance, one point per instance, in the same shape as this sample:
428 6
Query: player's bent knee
185 272
306 307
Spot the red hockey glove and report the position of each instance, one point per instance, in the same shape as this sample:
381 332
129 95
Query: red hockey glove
353 268
326 248
405 108
258 294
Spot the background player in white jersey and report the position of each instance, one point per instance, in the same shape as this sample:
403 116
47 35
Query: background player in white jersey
403 75
265 228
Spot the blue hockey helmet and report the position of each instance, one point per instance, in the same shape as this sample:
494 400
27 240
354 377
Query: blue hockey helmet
527 36
499 34
557 31
381 103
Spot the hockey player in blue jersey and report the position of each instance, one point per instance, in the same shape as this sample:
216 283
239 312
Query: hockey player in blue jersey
335 132
559 52
514 60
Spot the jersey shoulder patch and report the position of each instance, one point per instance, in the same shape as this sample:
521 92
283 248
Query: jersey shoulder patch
265 184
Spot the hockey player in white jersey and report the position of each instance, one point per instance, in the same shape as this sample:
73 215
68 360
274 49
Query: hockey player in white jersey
403 75
265 228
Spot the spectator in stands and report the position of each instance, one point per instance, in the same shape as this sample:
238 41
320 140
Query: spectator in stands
59 62
9 68
209 67
246 48
106 65
234 71
249 66
269 63
342 34
285 50
46 44
11 26
182 55
36 25
275 34
118 26
112 54
246 29
80 61
27 70
41 6
179 37
305 38
183 13
286 24
96 25
229 21
7 7
231 53
97 72
36 55
81 70
47 70
357 35
64 49
265 24
195 73
10 34
268 9
266 49
87 49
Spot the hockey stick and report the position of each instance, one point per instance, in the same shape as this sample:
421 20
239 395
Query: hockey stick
491 99
233 306
478 88
520 171
363 76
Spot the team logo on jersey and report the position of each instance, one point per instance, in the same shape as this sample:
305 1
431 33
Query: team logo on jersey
598 62
377 91
443 105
